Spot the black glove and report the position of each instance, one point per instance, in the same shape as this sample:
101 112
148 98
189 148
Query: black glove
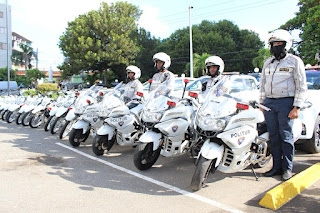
204 86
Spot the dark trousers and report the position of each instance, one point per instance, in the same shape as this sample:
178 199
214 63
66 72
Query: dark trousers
280 131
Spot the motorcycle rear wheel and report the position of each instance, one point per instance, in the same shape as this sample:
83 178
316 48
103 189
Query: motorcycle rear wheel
201 173
144 157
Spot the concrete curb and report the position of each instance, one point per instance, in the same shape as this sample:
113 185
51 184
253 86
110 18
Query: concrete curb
283 193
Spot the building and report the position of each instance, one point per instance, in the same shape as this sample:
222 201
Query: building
4 45
16 40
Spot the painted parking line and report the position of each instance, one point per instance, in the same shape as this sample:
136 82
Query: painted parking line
151 180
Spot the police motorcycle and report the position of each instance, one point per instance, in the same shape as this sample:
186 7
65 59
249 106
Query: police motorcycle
40 114
70 119
53 109
9 101
59 117
14 108
226 126
121 122
23 108
28 110
87 109
166 122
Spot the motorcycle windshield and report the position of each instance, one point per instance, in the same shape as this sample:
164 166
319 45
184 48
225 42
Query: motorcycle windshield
157 100
220 101
113 98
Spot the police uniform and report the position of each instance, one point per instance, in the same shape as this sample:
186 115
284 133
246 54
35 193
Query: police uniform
208 84
163 78
282 87
131 89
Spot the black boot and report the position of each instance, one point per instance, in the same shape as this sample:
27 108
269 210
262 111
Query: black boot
273 172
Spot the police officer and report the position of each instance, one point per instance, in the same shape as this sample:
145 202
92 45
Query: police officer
134 85
214 66
282 88
162 62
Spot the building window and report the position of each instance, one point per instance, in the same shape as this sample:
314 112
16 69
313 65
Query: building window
2 30
1 14
3 46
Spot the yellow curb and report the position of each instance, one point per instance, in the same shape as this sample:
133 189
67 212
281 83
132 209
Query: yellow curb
283 193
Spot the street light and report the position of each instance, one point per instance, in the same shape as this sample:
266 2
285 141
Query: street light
8 46
191 50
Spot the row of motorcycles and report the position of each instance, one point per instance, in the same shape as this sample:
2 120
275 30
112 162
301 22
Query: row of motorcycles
221 132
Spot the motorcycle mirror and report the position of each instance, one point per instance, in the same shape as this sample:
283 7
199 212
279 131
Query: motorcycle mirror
150 81
242 106
76 93
88 101
170 103
186 81
193 94
139 94
101 93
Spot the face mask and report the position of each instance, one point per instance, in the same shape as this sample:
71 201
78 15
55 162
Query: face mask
278 51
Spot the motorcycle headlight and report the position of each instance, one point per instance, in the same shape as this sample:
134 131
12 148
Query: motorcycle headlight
151 116
212 124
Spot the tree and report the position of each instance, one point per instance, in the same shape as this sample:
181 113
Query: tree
236 47
263 54
34 74
198 64
27 52
100 40
308 21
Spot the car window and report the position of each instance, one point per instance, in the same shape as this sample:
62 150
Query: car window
313 80
178 84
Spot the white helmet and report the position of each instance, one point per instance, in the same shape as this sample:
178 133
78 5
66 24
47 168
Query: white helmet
161 56
214 61
281 35
135 70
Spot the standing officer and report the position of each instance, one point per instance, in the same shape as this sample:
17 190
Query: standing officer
282 88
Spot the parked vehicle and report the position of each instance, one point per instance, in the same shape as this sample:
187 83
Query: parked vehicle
40 114
227 127
14 108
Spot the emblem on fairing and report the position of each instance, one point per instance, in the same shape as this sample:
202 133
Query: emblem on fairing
175 128
95 119
240 140
121 123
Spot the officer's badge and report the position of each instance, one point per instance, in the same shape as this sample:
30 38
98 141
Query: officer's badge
175 128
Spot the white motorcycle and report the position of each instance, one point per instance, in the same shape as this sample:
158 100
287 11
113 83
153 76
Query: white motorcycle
70 121
40 114
14 108
166 122
87 111
121 124
53 109
28 110
227 128
59 117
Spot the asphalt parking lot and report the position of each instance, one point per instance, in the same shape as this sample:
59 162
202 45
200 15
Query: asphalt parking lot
40 173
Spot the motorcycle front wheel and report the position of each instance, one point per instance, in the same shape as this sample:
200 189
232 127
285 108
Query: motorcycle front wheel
26 119
66 128
11 116
47 124
76 137
36 120
97 144
313 145
19 118
144 157
56 125
201 173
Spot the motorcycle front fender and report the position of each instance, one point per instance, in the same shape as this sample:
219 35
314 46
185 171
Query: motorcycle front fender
70 115
106 130
61 111
53 111
151 137
211 150
81 124
37 109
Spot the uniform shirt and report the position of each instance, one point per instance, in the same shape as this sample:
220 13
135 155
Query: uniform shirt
208 84
163 78
131 89
284 78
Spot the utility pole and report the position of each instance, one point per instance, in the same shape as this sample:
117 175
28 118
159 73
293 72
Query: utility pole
37 59
191 49
8 46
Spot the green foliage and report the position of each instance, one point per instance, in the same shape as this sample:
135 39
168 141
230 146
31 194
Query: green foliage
236 47
100 40
198 64
27 52
46 87
34 74
30 92
308 21
263 54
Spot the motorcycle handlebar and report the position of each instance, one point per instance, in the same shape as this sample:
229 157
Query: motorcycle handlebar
255 104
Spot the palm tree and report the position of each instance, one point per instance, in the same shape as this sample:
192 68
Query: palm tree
27 51
198 64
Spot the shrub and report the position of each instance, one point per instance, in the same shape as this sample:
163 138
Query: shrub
46 87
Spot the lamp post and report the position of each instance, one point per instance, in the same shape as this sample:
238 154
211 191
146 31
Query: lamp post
191 50
8 46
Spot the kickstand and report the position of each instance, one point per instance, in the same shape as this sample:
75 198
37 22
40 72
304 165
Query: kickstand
257 178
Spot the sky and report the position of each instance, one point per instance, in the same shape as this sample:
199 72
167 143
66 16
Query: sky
44 21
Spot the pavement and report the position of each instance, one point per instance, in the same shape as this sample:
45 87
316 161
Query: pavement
40 173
